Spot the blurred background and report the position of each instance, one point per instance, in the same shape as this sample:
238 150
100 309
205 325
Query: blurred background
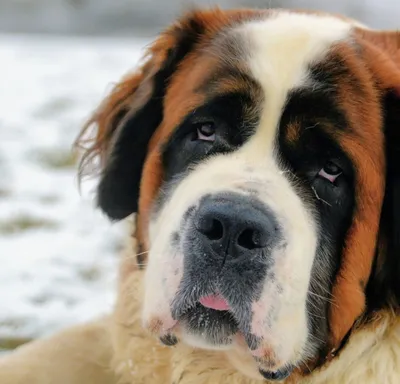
144 17
58 255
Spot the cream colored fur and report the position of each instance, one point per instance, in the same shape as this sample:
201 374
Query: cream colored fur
80 354
116 350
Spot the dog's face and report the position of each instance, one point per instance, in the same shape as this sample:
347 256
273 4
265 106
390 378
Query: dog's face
258 141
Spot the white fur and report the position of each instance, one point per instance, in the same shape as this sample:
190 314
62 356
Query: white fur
280 48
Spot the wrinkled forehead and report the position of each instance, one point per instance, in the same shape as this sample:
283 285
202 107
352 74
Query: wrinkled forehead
266 57
281 49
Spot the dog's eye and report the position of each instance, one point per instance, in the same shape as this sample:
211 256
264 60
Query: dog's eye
330 171
205 131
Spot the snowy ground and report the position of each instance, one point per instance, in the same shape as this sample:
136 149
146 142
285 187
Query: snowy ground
58 255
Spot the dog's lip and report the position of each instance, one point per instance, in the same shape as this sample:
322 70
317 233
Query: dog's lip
189 299
216 302
278 375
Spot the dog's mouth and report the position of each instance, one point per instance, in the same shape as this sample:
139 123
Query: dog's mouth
218 327
210 318
214 326
206 317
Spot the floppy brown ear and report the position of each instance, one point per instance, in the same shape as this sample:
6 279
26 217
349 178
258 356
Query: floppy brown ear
127 119
383 51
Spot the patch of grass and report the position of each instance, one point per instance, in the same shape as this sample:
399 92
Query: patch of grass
90 274
40 299
24 223
11 343
4 193
57 159
48 199
43 299
13 322
54 107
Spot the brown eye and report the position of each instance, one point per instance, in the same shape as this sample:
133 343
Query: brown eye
330 171
205 131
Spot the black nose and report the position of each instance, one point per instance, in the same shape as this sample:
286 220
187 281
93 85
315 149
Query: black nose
232 224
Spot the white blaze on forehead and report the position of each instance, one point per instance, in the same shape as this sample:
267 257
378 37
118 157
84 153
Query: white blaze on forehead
280 50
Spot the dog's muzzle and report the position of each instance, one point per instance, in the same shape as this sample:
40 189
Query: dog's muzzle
228 244
227 248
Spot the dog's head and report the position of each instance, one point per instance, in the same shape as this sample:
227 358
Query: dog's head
259 149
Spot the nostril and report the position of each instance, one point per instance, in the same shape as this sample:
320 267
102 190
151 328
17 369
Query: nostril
251 239
212 228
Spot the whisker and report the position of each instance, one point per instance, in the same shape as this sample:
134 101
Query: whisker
318 283
319 198
326 299
320 286
309 370
313 304
142 264
318 339
136 255
312 126
316 295
164 261
315 315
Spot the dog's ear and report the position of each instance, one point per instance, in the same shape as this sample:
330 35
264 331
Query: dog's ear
383 49
128 117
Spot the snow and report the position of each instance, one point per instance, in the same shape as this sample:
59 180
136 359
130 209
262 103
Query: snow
59 260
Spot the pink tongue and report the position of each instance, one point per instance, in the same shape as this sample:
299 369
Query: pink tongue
215 302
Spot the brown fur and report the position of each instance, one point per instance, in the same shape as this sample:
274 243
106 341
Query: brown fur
292 133
117 349
364 145
367 152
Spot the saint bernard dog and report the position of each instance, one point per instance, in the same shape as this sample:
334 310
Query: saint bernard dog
256 151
